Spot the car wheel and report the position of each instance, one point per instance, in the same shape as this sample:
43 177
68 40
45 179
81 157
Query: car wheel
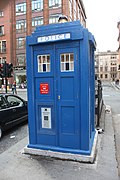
0 132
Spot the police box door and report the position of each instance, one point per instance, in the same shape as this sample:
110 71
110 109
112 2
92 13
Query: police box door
67 98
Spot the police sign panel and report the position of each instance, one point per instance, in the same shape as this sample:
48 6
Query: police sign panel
44 88
54 37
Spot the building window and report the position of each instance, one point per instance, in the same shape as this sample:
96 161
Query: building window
2 46
1 14
113 76
1 30
37 21
113 63
2 60
21 26
67 62
20 42
101 76
54 3
43 63
54 18
106 76
101 69
37 5
21 60
106 68
20 9
113 57
113 69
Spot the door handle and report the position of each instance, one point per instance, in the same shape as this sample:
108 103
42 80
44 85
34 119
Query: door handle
58 97
14 110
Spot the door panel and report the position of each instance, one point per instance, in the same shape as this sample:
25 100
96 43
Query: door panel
45 95
67 119
67 82
68 100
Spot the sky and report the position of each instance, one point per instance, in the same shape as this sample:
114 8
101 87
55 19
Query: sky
102 18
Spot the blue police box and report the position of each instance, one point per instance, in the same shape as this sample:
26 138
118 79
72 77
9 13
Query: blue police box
60 77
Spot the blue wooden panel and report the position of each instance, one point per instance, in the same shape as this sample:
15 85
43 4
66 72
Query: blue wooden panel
31 99
67 82
45 136
85 97
67 120
49 81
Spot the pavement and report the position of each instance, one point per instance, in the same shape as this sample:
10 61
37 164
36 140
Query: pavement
10 90
116 85
15 165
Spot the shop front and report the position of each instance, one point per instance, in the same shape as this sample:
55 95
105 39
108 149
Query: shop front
20 78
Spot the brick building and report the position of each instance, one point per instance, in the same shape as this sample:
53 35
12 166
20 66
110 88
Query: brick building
19 18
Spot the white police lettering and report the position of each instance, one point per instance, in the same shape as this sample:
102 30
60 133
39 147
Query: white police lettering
55 37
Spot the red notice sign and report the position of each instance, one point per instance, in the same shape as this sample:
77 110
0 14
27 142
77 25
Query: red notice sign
44 88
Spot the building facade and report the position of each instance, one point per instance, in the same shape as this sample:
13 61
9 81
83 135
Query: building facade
107 65
118 25
19 19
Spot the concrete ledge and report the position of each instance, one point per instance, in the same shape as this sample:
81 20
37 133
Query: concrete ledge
66 156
